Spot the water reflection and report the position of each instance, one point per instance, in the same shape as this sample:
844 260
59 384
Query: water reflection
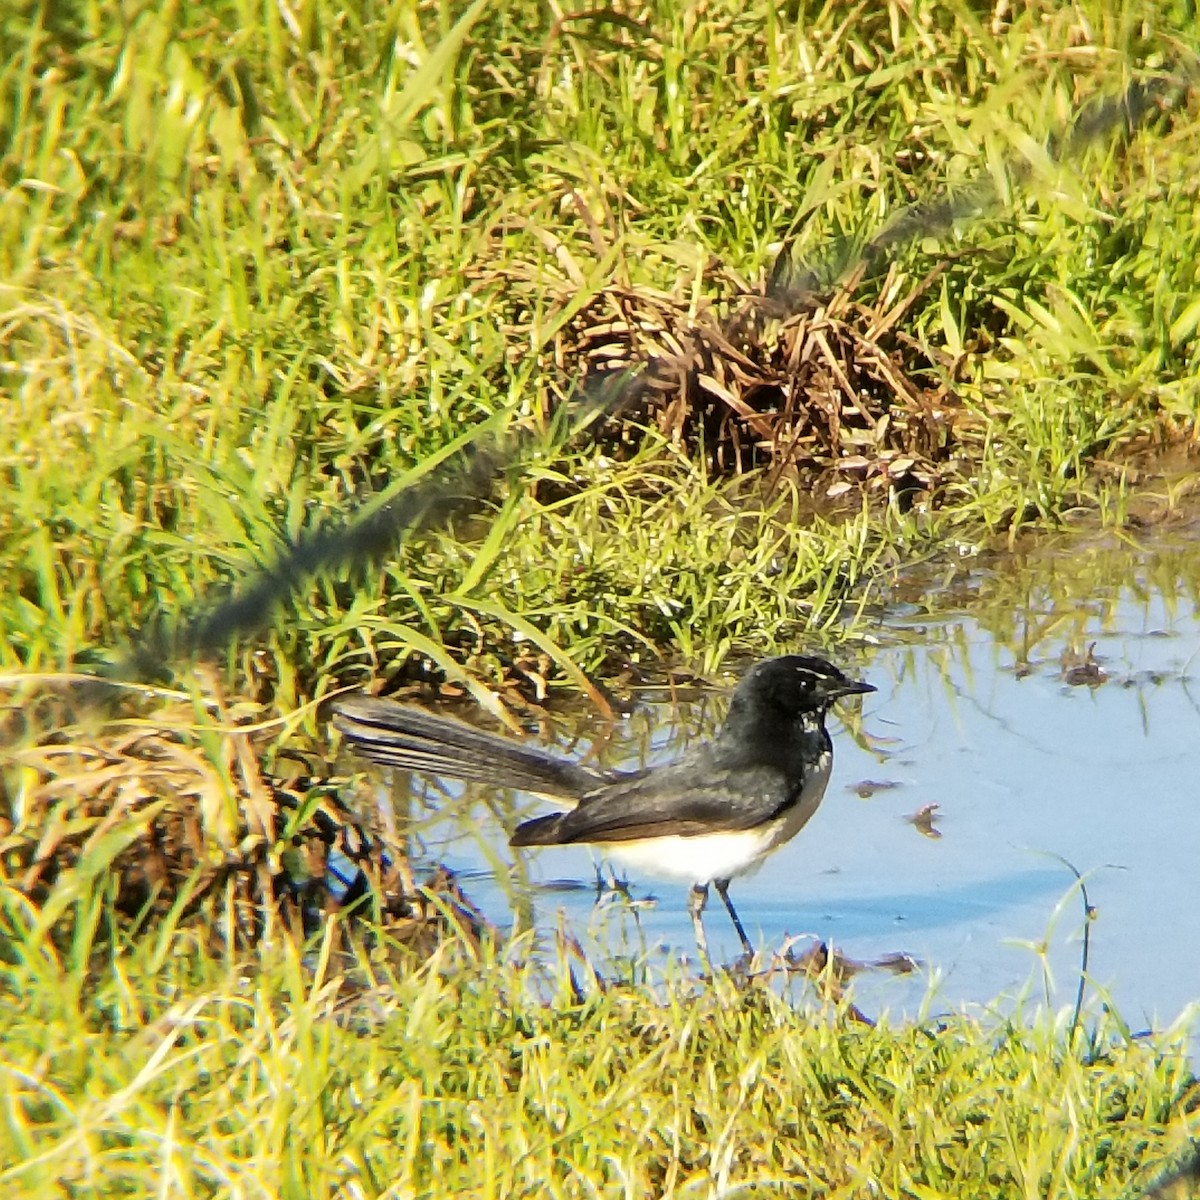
1044 703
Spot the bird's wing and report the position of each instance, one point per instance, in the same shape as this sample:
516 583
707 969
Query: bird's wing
686 799
400 736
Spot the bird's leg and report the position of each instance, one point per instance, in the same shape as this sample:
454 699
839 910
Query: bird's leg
697 899
723 892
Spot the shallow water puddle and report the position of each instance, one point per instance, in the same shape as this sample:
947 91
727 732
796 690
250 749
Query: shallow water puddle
1038 707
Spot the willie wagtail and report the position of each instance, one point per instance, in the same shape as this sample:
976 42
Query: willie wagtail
714 814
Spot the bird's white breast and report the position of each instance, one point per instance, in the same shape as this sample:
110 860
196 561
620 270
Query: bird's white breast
725 854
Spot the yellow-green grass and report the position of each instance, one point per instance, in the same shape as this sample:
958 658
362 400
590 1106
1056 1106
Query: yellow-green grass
150 1068
261 261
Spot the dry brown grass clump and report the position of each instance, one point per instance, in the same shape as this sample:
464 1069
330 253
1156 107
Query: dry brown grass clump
166 830
830 387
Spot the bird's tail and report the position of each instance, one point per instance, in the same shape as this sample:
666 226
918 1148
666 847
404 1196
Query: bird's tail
399 736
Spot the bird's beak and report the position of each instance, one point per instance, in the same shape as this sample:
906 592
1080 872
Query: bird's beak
851 687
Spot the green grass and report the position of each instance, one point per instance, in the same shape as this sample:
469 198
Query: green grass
260 263
153 1069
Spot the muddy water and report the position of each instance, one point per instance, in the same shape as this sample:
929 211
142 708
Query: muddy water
1047 702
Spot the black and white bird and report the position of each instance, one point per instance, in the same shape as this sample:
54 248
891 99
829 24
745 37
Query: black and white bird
708 817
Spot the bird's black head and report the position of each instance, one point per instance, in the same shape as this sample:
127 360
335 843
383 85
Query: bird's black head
774 695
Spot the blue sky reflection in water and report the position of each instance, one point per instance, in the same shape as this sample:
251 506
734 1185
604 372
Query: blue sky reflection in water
990 707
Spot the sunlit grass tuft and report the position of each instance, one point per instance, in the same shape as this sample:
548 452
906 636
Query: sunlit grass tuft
257 268
165 1070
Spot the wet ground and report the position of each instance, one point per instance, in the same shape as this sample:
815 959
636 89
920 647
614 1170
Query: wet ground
1033 707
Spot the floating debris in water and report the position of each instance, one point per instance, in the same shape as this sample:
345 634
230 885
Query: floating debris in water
922 820
1082 670
866 788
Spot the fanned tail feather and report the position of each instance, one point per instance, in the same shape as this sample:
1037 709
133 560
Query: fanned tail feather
397 735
